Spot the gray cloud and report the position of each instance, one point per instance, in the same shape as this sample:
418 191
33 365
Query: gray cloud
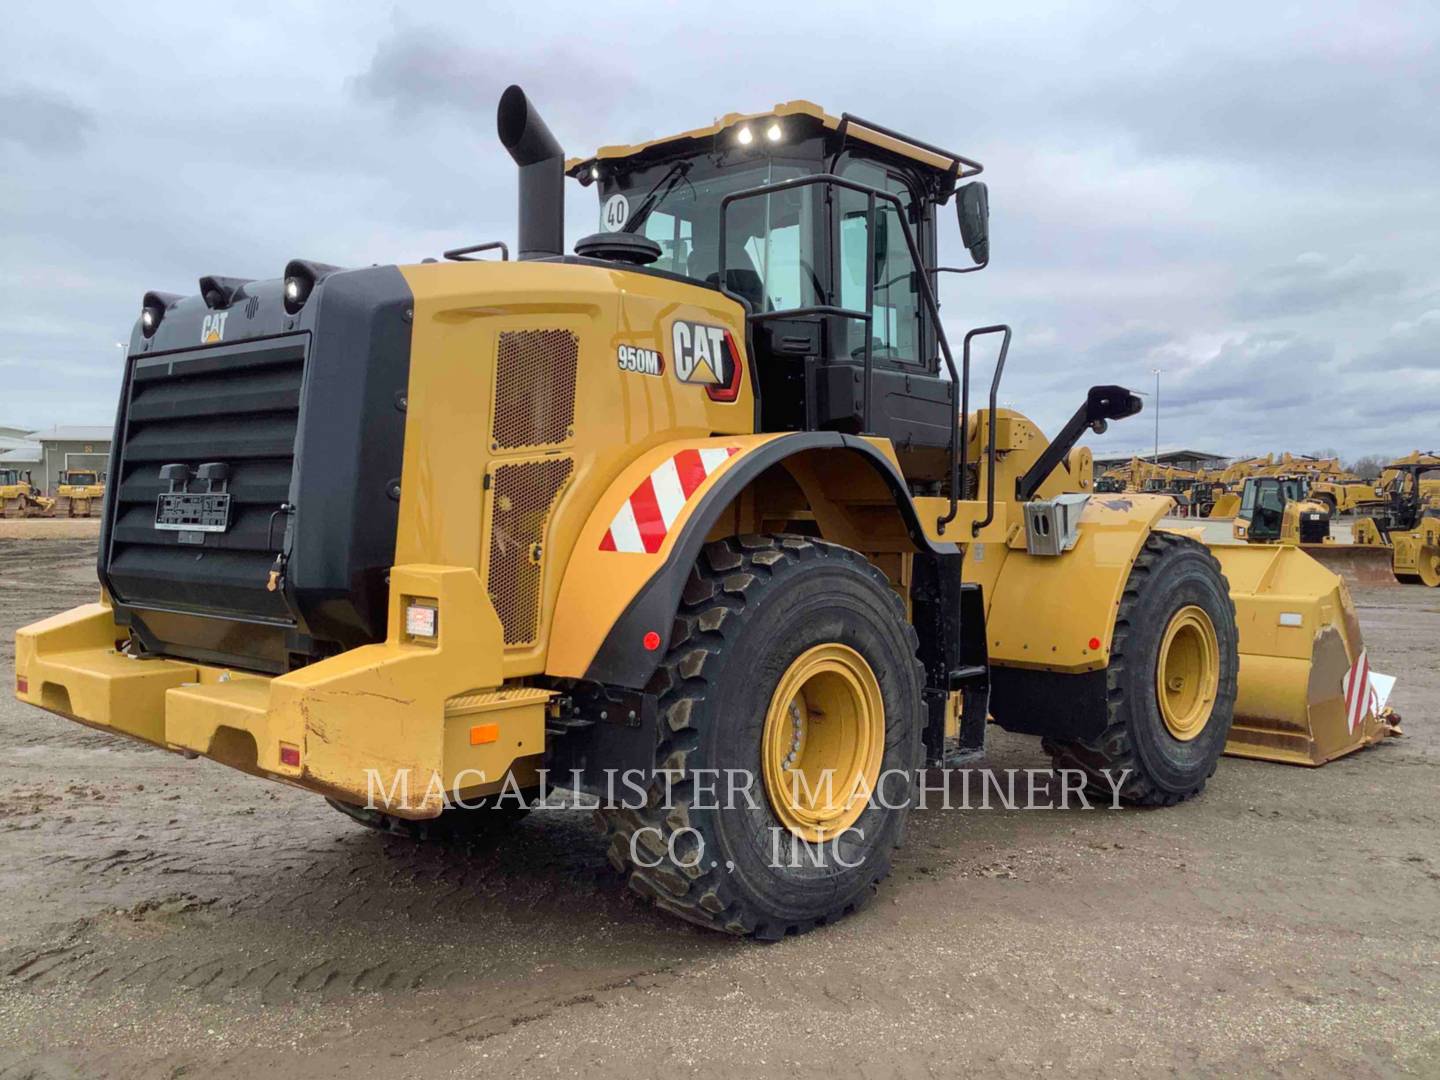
1413 344
1313 282
418 70
1332 97
1155 170
43 122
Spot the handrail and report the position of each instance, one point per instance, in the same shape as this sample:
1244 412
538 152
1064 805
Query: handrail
980 331
460 254
830 180
957 161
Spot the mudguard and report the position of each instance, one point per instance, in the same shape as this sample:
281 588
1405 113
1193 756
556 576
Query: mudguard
622 585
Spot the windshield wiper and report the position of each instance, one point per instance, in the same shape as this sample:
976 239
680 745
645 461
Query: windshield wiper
655 197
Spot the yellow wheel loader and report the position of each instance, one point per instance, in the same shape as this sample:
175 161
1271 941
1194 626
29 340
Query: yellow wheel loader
698 521
80 493
19 497
1409 524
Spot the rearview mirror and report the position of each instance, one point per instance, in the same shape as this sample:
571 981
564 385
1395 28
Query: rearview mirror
972 205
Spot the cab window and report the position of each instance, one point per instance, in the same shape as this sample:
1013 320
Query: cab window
769 239
896 326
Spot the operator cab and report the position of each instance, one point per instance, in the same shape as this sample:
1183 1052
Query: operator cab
824 229
1262 510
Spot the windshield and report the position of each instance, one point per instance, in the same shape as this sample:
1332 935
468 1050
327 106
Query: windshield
82 478
770 259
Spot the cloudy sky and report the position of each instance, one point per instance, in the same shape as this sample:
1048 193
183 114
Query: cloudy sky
1242 195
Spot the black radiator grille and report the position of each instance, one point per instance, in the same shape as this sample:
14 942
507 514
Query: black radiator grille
239 405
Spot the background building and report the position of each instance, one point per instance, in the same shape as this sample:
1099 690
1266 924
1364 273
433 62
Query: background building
61 448
1179 459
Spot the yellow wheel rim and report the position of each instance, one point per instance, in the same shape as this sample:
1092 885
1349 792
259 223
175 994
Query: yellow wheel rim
1187 673
823 742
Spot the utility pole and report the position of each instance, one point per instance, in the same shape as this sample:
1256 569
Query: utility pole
1156 372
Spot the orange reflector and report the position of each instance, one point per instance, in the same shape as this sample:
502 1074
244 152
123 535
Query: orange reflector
484 733
289 755
1094 643
22 684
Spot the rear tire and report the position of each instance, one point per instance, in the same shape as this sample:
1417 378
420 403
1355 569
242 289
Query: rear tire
1176 602
756 611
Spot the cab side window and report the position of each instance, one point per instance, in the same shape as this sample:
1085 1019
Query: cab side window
896 326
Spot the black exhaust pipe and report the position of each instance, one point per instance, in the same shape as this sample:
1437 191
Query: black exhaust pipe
542 175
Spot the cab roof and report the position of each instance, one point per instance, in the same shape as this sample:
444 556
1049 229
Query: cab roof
922 154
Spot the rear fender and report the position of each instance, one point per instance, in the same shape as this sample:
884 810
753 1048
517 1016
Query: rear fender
621 589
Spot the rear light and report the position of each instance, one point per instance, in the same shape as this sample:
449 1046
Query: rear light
22 684
152 311
290 755
301 277
422 621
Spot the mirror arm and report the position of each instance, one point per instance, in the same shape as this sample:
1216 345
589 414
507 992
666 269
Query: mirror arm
957 269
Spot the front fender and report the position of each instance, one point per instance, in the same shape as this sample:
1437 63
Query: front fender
622 585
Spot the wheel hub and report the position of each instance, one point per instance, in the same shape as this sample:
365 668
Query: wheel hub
823 741
1187 672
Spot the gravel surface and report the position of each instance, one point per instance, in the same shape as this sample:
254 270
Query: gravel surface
165 917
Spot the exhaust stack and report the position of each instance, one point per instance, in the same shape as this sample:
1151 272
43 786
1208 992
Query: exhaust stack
542 175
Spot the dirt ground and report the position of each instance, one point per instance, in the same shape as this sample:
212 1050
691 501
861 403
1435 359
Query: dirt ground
164 917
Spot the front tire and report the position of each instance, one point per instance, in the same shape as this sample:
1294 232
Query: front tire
1174 663
789 656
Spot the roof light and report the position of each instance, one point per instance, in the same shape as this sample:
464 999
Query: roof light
594 172
773 132
745 136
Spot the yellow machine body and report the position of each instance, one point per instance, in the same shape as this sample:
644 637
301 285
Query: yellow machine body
1226 505
79 494
1344 496
561 470
19 498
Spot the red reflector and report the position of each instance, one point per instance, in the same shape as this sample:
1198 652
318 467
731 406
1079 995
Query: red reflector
651 641
22 684
1094 643
289 755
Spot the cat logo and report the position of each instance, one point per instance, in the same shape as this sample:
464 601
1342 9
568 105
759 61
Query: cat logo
707 355
641 361
213 328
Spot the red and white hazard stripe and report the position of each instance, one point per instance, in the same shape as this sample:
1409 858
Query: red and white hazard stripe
645 518
1357 692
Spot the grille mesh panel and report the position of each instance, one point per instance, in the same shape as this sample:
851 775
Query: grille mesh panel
534 388
524 494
